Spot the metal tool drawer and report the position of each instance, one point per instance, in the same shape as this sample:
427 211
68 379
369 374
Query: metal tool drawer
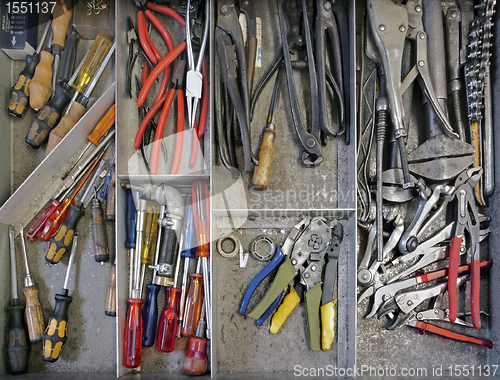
403 351
28 181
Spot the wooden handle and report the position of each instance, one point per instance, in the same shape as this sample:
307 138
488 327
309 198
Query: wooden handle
34 314
266 151
476 141
252 57
62 16
41 84
111 294
110 203
103 126
65 125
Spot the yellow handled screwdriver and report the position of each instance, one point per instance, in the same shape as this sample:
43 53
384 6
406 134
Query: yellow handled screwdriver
20 93
34 314
55 334
78 108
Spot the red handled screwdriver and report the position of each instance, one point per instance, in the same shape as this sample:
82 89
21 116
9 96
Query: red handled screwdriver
196 360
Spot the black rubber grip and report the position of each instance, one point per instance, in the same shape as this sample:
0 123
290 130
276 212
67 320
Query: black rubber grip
46 120
63 238
168 250
18 344
20 93
55 334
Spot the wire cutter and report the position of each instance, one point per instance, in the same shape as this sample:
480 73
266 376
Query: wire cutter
281 252
194 77
467 220
144 38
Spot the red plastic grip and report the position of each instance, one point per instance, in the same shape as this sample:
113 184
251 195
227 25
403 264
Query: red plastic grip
168 11
149 116
53 222
168 327
132 342
196 360
160 67
144 37
155 155
452 335
180 132
36 228
456 244
474 297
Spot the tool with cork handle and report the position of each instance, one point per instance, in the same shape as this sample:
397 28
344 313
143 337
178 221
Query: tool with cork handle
40 85
266 151
20 93
55 335
62 14
61 241
18 345
51 112
34 314
77 108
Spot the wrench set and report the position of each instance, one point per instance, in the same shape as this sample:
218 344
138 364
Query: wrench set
422 205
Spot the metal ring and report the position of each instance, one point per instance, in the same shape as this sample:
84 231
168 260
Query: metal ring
268 254
234 241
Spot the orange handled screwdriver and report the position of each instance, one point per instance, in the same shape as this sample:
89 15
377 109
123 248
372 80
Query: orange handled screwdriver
201 212
102 127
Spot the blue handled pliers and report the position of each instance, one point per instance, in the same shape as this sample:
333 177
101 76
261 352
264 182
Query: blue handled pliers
279 257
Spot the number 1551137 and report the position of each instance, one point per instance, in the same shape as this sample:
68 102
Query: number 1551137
23 7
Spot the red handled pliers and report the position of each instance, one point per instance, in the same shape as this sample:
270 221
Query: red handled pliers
174 52
467 221
176 90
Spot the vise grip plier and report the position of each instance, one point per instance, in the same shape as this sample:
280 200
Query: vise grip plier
391 25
